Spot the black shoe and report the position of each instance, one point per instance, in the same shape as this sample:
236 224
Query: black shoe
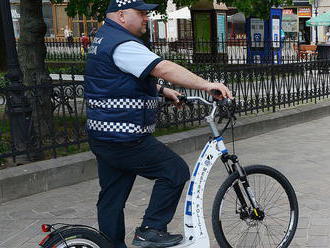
152 238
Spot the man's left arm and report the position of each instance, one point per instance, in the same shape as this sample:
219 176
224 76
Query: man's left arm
179 75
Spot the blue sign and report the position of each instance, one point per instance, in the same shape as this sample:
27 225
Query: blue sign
221 32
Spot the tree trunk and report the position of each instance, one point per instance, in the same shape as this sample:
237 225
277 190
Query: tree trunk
32 49
32 54
2 49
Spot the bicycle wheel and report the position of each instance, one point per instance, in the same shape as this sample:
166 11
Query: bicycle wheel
77 237
235 226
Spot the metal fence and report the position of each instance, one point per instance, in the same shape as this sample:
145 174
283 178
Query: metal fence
230 51
63 50
256 88
234 51
268 87
57 123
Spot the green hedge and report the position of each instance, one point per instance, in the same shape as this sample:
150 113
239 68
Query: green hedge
64 67
3 81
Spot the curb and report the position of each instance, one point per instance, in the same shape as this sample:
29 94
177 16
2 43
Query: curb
45 175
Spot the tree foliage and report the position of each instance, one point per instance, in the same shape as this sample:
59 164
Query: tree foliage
97 8
256 8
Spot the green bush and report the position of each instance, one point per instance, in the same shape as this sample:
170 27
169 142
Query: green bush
4 147
66 68
3 81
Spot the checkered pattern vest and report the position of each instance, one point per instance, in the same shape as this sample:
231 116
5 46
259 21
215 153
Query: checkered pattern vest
120 106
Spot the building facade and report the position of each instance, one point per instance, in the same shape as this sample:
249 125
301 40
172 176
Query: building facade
56 20
294 21
295 17
176 27
320 7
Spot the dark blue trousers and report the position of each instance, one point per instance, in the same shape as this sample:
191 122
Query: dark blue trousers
118 166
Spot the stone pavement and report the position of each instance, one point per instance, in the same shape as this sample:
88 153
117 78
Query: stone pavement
301 152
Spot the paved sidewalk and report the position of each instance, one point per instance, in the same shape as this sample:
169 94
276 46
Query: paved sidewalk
302 152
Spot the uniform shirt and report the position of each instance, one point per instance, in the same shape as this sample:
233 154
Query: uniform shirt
135 58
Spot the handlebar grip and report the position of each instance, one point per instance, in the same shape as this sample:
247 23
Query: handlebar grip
182 98
216 92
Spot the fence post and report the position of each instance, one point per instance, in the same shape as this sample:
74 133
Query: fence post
272 68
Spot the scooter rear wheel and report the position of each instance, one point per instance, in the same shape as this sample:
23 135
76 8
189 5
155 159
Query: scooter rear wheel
77 237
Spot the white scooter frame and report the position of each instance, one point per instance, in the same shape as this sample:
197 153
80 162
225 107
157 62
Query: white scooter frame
196 235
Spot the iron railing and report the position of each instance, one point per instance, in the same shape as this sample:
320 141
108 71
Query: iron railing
60 49
229 51
256 88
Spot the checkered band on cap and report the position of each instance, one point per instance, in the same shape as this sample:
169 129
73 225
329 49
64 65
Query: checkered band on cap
124 2
104 126
116 5
123 103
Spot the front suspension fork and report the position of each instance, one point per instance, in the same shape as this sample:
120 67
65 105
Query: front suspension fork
235 166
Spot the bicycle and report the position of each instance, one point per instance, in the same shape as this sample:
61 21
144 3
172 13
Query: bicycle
256 206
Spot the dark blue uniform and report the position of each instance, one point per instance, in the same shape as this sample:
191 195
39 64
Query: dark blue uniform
121 113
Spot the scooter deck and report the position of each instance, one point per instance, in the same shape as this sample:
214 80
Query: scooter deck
200 243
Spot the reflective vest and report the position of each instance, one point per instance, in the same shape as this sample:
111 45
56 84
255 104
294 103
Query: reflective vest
120 106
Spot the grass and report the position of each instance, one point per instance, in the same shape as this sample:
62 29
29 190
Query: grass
4 141
75 70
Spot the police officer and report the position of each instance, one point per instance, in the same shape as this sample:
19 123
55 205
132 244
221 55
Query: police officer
121 115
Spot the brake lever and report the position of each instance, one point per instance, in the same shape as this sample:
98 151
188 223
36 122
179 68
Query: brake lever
227 110
232 109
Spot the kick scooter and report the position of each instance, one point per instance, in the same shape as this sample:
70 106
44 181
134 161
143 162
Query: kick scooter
256 206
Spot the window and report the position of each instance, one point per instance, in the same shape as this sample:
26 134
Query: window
48 18
60 19
47 14
79 24
184 29
82 24
15 13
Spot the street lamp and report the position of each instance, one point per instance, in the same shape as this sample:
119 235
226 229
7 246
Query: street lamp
18 107
14 72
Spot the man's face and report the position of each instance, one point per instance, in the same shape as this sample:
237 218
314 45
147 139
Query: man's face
136 21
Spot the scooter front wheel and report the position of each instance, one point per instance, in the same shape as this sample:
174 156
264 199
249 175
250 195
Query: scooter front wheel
272 225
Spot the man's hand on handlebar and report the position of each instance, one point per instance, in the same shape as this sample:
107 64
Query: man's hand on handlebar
172 95
219 91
